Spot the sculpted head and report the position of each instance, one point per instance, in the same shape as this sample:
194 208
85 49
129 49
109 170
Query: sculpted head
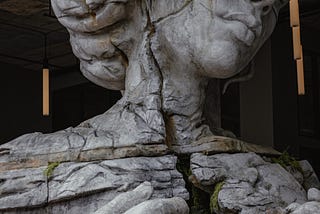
219 37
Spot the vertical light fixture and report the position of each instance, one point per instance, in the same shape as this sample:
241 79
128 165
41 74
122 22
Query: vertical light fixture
297 47
45 82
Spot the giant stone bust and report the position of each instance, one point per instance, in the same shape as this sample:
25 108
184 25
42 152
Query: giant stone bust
161 55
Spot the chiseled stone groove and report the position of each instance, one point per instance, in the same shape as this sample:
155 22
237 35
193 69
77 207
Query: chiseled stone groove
71 145
220 144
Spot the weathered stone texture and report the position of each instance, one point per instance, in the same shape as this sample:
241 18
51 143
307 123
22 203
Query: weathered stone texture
251 185
87 186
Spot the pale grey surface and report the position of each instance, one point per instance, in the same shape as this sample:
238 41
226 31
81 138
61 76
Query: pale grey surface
313 194
127 200
89 185
311 207
220 144
21 188
137 202
250 183
310 179
162 55
292 207
161 206
73 144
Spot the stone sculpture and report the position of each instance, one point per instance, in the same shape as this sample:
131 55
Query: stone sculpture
161 55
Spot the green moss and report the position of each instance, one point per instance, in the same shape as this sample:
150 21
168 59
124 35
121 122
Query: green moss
49 170
214 204
286 160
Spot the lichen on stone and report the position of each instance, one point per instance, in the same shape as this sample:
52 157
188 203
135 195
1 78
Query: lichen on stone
50 168
214 204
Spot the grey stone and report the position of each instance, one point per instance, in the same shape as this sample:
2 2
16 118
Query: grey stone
277 210
310 179
23 188
308 208
161 54
158 55
313 194
250 183
72 144
88 186
220 144
174 205
292 207
126 200
296 174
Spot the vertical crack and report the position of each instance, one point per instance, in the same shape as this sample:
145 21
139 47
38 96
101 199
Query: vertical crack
151 32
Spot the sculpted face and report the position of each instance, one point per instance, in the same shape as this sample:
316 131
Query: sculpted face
219 37
93 35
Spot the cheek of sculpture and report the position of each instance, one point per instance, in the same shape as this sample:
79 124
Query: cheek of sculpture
100 61
218 40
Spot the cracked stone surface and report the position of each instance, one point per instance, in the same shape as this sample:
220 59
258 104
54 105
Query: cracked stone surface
310 179
311 207
161 54
220 144
88 186
137 201
251 185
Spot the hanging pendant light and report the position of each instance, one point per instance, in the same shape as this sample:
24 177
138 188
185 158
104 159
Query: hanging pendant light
45 82
297 47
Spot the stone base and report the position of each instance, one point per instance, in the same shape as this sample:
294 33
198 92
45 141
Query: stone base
85 187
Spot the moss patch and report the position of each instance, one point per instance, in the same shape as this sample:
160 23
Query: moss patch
214 204
49 170
286 160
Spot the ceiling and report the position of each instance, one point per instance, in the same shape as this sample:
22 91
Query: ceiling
24 24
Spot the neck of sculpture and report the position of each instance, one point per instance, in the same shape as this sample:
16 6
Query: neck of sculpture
182 95
170 90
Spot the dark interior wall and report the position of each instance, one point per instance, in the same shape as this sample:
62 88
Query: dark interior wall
72 100
256 110
73 105
284 89
287 135
21 103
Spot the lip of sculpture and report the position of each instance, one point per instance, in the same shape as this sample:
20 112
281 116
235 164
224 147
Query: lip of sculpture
92 18
252 25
